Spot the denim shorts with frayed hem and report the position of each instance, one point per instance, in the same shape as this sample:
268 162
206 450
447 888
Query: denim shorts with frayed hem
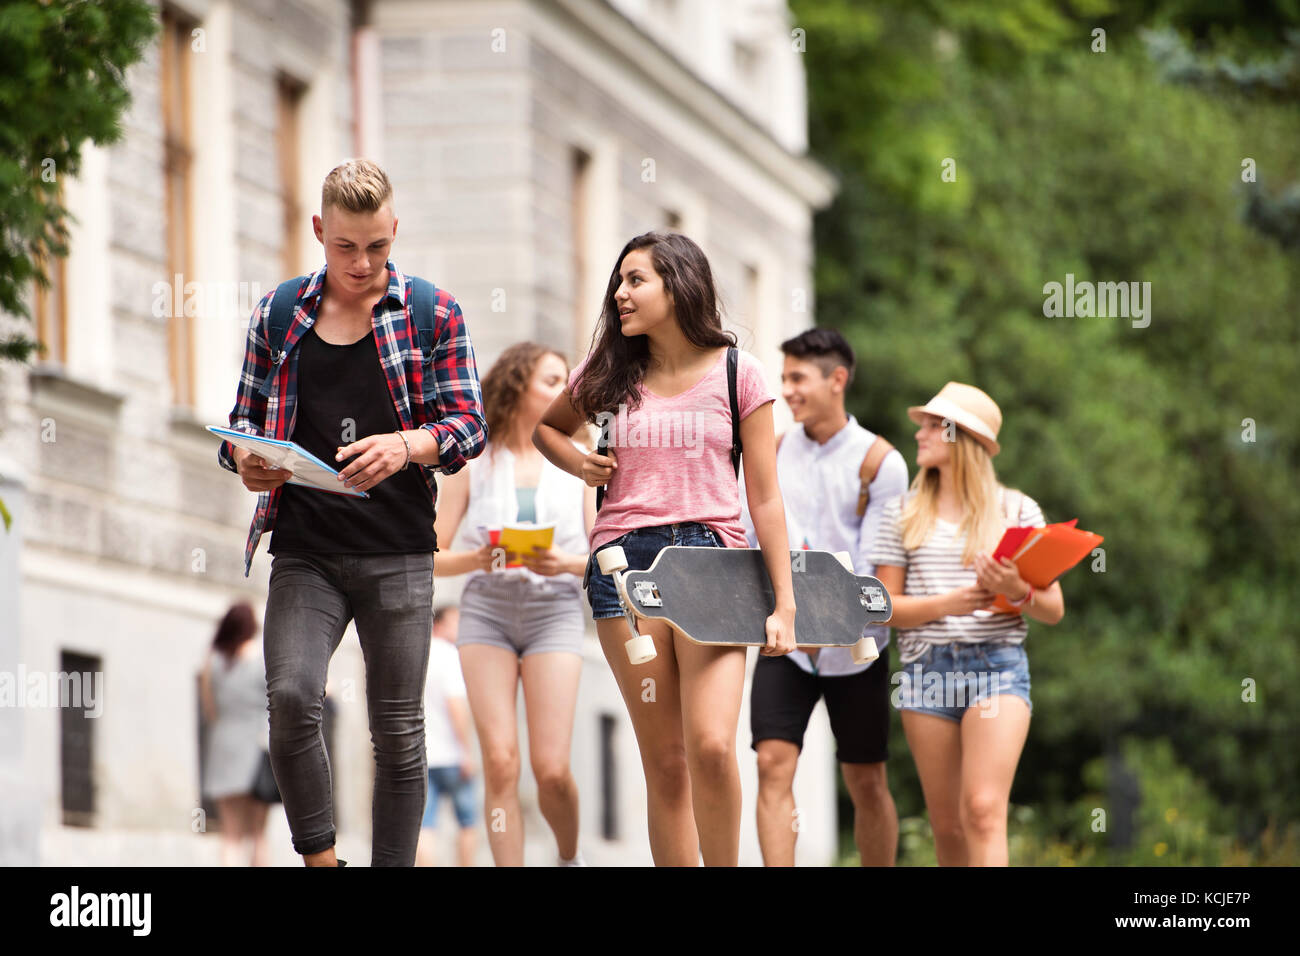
641 546
948 679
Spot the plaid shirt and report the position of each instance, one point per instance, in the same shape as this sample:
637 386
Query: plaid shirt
451 408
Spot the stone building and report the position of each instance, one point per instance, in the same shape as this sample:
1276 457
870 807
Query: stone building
526 140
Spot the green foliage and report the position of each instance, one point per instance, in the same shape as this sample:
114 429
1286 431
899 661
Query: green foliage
1110 167
62 81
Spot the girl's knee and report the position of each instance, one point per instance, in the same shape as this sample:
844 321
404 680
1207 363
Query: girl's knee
713 755
500 766
983 813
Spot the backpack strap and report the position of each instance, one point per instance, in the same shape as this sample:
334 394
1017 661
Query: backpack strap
423 296
1012 515
733 360
283 305
867 473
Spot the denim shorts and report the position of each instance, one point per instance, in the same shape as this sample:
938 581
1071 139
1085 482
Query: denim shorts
950 678
447 782
641 546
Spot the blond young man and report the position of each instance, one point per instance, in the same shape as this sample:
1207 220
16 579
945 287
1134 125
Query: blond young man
372 371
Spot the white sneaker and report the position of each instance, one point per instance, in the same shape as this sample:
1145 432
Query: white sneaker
576 861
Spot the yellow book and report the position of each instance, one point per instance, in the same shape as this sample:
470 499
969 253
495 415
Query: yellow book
519 539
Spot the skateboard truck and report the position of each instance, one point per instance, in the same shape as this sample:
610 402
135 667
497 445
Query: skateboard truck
873 598
646 594
640 647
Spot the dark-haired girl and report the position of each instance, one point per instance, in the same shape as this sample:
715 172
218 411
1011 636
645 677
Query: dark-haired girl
656 380
232 693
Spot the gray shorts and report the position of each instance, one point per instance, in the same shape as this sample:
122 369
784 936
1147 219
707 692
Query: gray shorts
521 616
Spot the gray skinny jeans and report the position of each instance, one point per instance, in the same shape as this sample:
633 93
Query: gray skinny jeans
310 601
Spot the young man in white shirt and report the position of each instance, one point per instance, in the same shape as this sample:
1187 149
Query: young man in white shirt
824 464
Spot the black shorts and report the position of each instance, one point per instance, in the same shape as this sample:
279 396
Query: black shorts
783 696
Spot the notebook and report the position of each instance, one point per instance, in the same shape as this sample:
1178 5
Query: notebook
306 469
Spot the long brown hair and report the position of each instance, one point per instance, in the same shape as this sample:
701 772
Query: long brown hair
617 363
505 384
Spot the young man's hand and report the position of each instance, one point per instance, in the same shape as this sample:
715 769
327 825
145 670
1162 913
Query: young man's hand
257 474
378 456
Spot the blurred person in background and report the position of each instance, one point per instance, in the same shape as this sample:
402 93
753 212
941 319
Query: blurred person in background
232 693
521 623
447 743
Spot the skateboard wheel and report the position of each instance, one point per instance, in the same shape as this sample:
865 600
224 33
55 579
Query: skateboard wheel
865 650
611 560
641 649
844 558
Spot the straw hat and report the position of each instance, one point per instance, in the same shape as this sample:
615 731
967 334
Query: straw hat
967 407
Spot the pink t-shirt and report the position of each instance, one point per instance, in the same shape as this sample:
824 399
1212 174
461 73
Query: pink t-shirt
674 456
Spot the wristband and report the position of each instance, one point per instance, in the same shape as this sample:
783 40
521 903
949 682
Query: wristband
408 449
1024 600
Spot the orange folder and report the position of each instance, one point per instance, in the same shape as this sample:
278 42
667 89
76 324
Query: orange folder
1042 555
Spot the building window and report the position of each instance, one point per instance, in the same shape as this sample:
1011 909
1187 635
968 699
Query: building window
76 746
178 165
608 779
750 81
50 309
753 313
289 93
579 219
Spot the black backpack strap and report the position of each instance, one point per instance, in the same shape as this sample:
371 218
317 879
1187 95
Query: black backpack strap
601 449
733 360
277 326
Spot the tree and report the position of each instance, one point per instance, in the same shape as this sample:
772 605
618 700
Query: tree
62 81
987 149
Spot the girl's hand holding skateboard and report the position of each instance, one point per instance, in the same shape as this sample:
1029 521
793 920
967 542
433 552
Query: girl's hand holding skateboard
780 633
597 469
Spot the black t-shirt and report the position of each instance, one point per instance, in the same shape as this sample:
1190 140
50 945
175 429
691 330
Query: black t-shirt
343 397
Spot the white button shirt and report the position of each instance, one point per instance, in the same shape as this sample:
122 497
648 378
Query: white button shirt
819 485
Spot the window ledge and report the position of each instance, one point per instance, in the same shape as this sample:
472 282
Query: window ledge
183 420
54 381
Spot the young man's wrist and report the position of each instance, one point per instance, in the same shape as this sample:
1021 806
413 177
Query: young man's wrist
424 446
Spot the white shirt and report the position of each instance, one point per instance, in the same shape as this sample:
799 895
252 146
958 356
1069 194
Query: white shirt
493 503
444 682
819 486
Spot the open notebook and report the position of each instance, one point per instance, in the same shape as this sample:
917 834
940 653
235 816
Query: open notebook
307 470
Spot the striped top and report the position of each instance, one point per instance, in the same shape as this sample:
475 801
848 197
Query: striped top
935 568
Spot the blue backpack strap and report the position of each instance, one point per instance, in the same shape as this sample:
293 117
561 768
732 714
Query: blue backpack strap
277 326
423 297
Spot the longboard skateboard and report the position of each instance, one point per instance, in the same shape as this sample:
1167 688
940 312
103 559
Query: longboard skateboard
724 596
